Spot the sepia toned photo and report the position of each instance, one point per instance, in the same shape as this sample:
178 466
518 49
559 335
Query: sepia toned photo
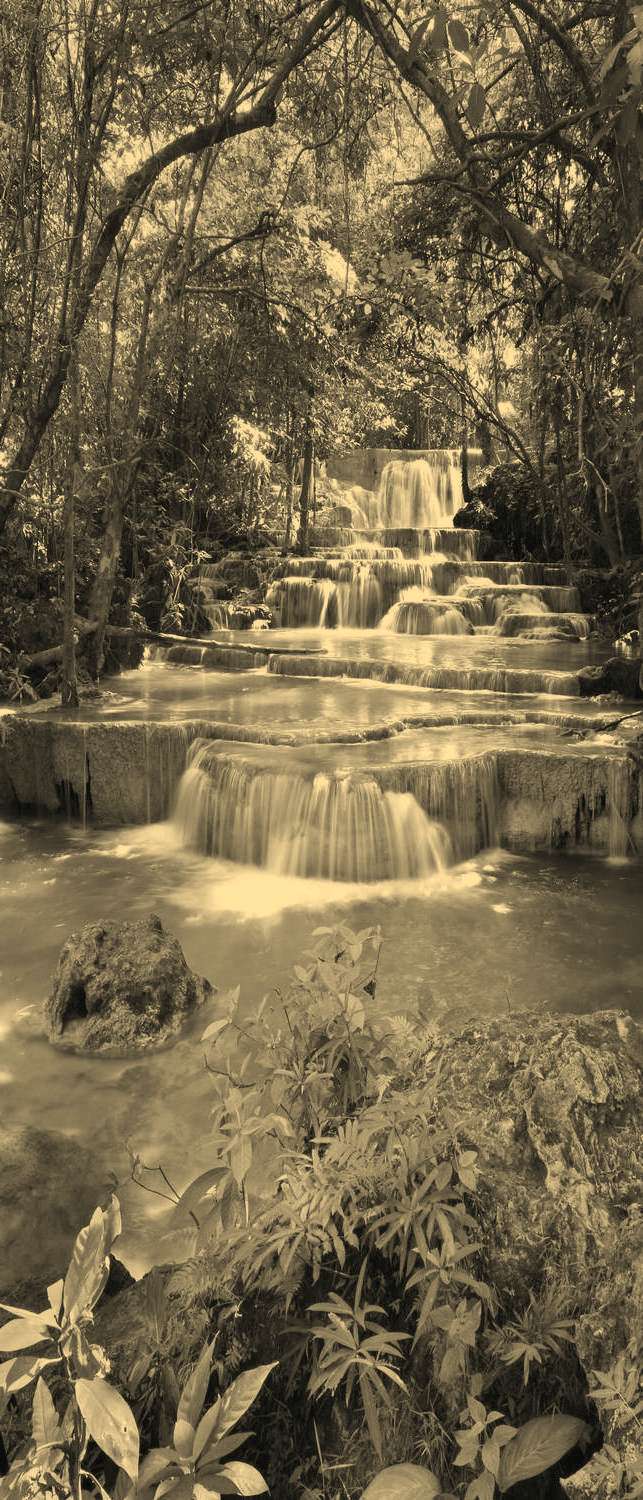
321 749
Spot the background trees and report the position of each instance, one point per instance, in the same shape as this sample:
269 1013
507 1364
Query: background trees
228 229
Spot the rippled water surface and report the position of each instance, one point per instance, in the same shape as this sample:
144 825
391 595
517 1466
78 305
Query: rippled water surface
500 932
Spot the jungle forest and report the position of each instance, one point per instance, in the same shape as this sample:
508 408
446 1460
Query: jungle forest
321 749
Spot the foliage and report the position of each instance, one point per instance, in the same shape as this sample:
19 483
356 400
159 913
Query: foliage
57 1451
341 1229
424 226
378 1208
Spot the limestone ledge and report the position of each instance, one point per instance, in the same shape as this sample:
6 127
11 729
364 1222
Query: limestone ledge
112 774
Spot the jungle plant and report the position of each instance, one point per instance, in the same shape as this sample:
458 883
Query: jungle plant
540 1333
94 1408
56 1456
618 1392
353 1345
193 1465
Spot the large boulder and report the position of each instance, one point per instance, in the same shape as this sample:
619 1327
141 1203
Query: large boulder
49 1188
121 987
620 674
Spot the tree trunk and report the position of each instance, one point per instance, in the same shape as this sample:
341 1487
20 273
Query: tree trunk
69 685
290 495
103 589
464 458
307 487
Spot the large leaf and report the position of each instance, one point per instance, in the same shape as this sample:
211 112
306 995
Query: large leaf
16 1373
458 36
157 1464
200 1188
247 1480
233 1405
193 1393
403 1482
220 1450
88 1269
23 1333
45 1425
538 1445
476 106
25 1312
110 1422
241 1158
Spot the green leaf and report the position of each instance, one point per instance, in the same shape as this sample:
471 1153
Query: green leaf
16 1373
24 1312
476 105
157 1464
215 1028
23 1333
194 1391
405 1482
241 1158
183 1437
233 1405
458 36
248 1480
110 1421
221 1449
45 1426
88 1269
55 1297
417 38
538 1445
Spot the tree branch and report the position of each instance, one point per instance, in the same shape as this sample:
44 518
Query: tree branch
228 124
500 223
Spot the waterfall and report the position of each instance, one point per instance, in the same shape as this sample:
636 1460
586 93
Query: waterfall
337 591
416 614
328 826
416 493
468 680
421 493
619 806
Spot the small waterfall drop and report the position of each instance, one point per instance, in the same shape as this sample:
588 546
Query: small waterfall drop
416 493
415 613
331 826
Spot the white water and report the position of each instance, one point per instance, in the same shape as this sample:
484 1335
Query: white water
416 493
402 554
325 827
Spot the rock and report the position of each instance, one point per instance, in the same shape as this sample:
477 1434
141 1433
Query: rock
553 1105
122 987
49 1187
617 675
244 615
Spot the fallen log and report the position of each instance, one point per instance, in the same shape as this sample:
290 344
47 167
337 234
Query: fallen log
85 628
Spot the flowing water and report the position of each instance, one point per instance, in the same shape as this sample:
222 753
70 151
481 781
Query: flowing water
357 760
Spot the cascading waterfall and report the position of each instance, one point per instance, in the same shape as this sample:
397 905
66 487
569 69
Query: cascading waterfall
402 538
469 680
416 614
328 826
416 493
328 592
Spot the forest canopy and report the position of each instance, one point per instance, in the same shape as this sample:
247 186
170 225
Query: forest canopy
231 232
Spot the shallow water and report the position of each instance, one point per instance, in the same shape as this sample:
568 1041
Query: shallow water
498 932
481 938
164 691
466 652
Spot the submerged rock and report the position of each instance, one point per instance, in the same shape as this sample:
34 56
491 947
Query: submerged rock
121 987
49 1188
619 674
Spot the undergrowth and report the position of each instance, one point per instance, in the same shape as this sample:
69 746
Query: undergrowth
337 1244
